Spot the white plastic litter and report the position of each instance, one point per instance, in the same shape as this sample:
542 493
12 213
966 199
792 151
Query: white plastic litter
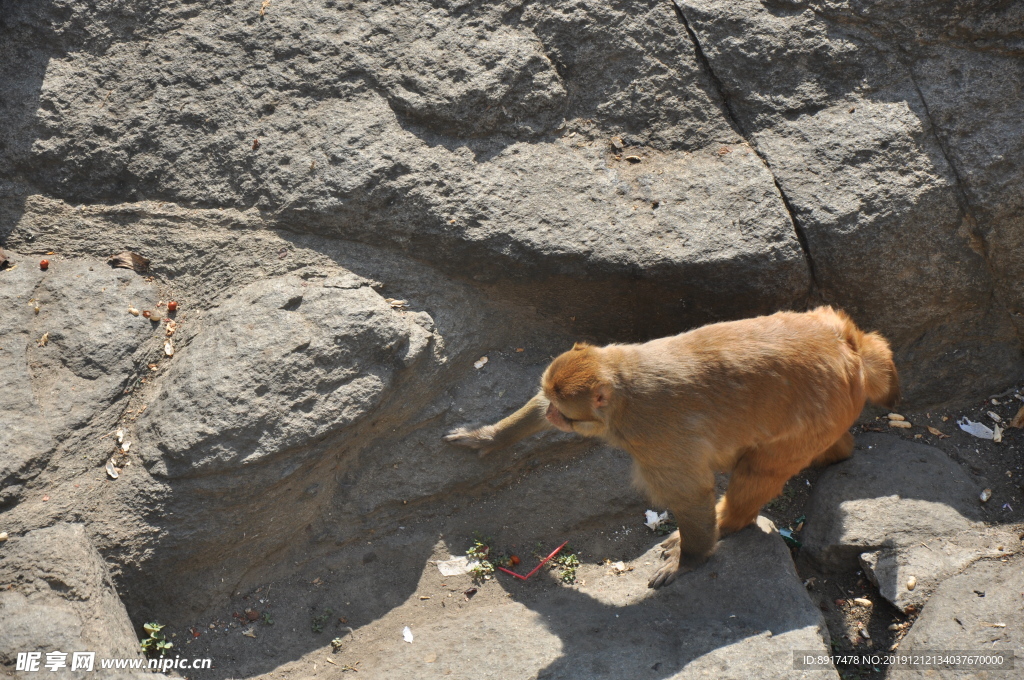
977 429
654 520
457 565
407 634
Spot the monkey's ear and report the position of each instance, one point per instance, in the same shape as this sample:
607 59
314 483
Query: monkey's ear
580 346
601 396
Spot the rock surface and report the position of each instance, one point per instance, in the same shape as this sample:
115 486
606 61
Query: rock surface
58 597
979 611
741 615
905 511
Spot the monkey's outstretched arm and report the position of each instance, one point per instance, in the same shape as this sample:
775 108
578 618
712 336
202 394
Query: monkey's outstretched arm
530 419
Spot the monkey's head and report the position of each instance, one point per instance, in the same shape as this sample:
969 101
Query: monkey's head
579 390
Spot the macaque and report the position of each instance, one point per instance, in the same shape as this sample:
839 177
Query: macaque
760 399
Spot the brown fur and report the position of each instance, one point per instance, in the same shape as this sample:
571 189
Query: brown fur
760 398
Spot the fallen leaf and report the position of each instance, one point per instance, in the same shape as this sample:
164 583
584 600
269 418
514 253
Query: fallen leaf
1018 420
249 632
129 260
937 432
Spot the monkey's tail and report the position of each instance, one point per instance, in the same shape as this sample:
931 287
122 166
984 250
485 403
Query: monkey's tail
881 382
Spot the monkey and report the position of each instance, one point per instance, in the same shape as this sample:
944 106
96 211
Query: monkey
759 398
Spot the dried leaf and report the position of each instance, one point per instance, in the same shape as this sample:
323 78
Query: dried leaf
937 432
1018 420
45 339
129 260
249 632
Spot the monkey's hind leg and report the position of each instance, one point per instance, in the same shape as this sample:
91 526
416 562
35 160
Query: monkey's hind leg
753 482
840 450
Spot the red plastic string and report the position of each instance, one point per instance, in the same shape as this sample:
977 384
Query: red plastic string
542 563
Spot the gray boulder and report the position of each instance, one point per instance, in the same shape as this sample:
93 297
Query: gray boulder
70 350
907 512
58 597
741 615
978 611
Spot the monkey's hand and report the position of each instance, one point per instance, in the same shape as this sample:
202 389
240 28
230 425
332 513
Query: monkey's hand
482 438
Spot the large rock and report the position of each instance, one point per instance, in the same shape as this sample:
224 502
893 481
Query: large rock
979 611
849 133
905 510
69 349
741 615
58 597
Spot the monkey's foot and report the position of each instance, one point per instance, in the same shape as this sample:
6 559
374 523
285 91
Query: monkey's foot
676 564
481 439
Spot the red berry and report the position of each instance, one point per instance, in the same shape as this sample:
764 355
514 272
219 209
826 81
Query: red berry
514 560
43 264
172 306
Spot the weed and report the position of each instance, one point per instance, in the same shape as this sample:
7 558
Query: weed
156 642
481 552
318 622
568 562
266 620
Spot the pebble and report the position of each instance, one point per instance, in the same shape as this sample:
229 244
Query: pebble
985 495
3 536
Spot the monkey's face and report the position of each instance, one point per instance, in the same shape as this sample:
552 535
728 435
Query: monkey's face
577 394
575 416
